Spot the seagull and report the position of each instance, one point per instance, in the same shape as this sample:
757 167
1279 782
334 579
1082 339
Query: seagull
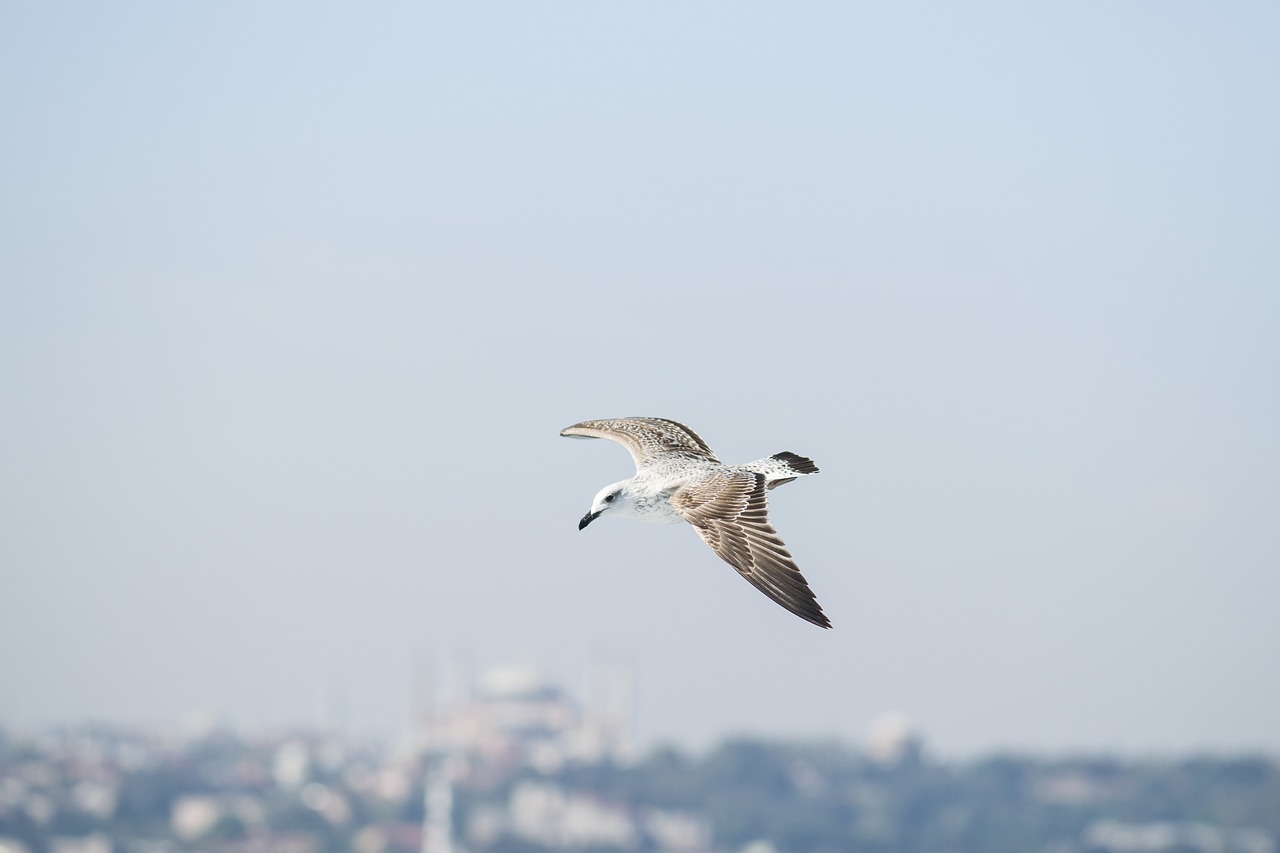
678 479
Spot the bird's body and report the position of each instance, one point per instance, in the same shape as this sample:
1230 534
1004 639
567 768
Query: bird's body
678 479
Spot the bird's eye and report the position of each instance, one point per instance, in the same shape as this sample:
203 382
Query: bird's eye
609 498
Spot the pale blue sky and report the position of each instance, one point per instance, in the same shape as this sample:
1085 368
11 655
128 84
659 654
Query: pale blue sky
296 299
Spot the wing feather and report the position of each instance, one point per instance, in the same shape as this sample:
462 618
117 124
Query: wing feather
731 515
646 438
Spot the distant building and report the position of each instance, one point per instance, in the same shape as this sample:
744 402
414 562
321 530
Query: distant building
514 715
893 740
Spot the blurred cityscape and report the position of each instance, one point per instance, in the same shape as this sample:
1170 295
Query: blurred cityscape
510 763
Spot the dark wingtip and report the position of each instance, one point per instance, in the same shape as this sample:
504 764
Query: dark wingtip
813 614
799 464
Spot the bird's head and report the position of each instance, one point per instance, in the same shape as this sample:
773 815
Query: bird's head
612 498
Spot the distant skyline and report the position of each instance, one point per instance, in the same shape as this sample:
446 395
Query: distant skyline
294 302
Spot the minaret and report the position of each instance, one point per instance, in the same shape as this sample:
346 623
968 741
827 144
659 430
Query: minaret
456 684
609 706
422 708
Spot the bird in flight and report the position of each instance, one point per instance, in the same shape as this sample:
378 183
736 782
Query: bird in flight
678 479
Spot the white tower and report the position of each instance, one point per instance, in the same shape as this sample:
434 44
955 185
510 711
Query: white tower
437 820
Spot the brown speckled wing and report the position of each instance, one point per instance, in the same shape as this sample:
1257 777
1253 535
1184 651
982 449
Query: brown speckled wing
646 438
731 515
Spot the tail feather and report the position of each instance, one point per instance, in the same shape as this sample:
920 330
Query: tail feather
783 467
799 464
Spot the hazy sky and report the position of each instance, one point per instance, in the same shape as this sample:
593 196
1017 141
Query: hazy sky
296 298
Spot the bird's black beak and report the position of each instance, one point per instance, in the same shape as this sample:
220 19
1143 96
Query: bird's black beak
587 519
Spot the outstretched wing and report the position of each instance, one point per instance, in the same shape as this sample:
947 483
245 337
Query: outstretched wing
731 515
646 438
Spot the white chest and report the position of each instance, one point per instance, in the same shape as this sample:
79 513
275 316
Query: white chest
655 510
649 501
